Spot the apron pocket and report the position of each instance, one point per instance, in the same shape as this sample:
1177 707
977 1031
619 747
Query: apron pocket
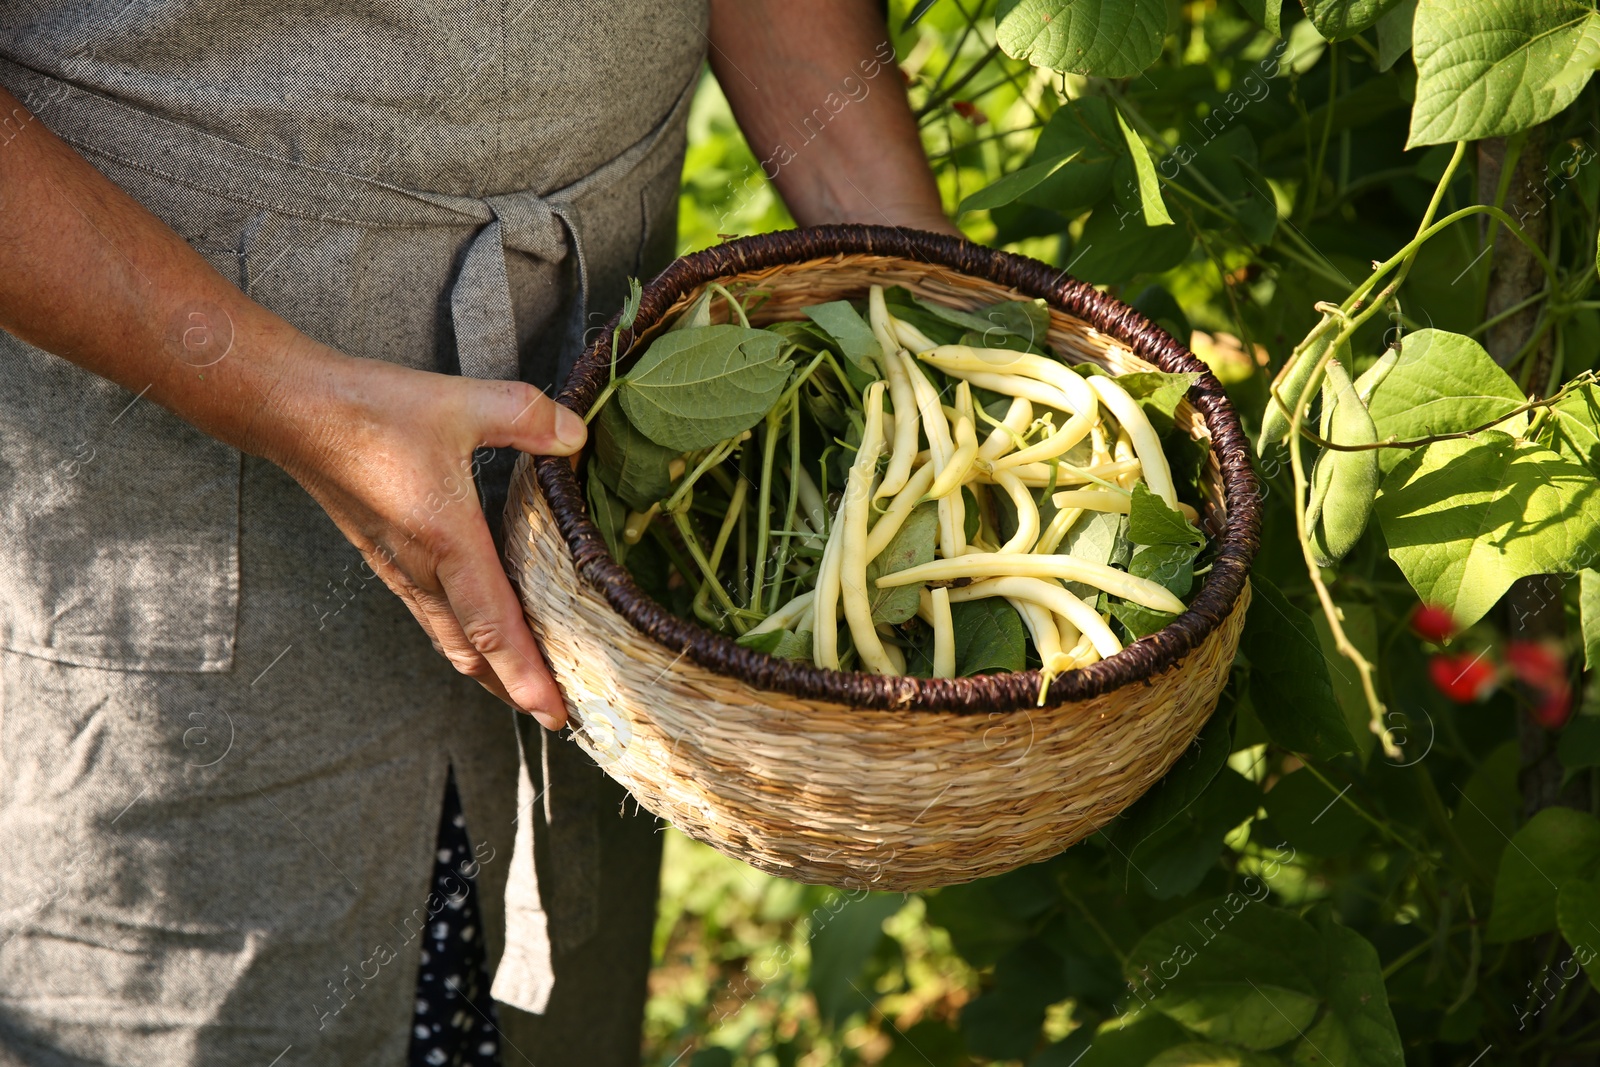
119 524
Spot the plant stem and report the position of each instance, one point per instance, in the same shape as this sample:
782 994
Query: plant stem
786 549
955 87
1521 409
709 573
769 449
600 401
715 455
1496 320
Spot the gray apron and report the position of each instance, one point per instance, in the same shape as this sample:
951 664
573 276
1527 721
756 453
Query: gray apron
223 742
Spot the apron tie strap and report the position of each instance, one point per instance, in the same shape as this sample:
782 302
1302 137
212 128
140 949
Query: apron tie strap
480 300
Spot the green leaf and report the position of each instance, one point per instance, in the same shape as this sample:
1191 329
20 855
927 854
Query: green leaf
785 644
1155 211
1573 427
981 928
1311 817
632 465
609 515
843 937
1115 246
1140 621
1358 1029
989 637
697 314
1338 20
1134 1038
1585 59
1589 612
1466 518
1028 320
1175 859
1087 130
1489 809
998 1027
1013 185
1178 788
1578 917
630 306
1233 949
1557 846
1360 624
696 387
1289 684
1268 14
1442 383
1171 566
1579 745
1103 38
1158 394
908 308
1204 1054
1152 522
1238 970
1492 67
1394 33
912 545
1093 539
856 341
1230 163
1004 1022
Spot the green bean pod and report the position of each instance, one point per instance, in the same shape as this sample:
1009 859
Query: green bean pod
1344 485
1290 383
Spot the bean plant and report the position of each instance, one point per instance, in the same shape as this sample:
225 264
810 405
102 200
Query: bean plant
1378 222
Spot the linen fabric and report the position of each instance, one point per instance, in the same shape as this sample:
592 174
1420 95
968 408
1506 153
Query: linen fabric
223 742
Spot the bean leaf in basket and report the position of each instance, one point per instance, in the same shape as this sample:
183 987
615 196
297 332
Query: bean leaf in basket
854 337
696 387
914 544
895 486
636 468
1151 522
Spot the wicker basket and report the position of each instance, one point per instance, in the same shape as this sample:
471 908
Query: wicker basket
854 779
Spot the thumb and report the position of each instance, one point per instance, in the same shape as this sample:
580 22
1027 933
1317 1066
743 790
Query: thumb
517 415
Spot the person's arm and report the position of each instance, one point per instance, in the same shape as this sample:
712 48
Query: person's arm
88 274
817 92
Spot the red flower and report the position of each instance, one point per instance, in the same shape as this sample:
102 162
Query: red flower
1432 622
1536 664
1464 677
1552 711
970 112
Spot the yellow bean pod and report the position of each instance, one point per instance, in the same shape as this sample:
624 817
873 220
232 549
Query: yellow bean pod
852 535
944 634
1052 597
1003 438
957 359
1146 444
1141 591
1027 513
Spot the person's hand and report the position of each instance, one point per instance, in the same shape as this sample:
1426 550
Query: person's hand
387 452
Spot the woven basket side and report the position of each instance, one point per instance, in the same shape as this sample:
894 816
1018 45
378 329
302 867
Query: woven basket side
822 792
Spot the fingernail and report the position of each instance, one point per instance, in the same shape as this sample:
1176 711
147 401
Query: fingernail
570 430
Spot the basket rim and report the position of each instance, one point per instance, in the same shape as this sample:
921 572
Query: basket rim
1016 691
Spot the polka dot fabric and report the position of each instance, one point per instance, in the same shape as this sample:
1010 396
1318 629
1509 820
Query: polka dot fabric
454 1023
